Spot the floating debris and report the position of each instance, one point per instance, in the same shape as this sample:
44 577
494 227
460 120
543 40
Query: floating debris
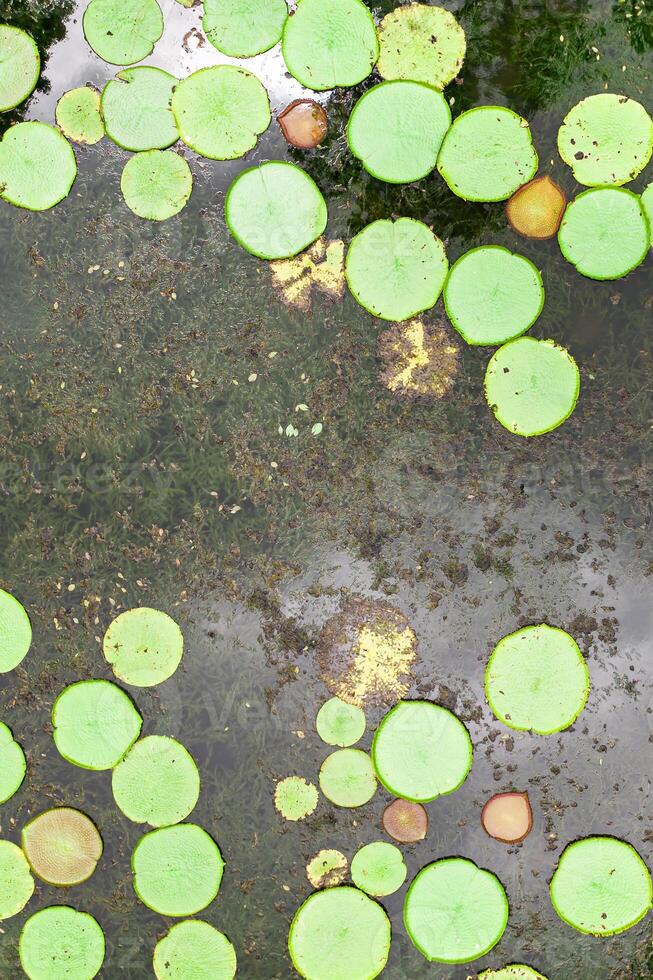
508 817
405 821
144 646
123 32
37 166
78 115
536 209
12 764
60 942
16 882
347 778
243 28
295 798
95 723
421 359
194 949
605 233
422 43
340 723
327 869
62 845
606 139
378 869
304 123
321 268
157 782
177 870
136 109
20 66
330 43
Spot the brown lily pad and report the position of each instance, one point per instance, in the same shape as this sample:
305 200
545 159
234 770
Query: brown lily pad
405 822
536 209
508 817
304 123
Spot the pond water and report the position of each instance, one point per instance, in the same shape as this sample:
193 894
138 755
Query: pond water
148 377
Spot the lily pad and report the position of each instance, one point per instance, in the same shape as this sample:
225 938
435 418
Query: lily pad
396 269
327 868
536 209
95 723
144 646
378 869
20 66
221 111
295 798
15 631
605 233
421 42
243 28
330 43
347 778
156 185
194 950
508 817
339 723
537 680
606 139
405 821
514 971
16 882
136 109
493 295
62 845
532 385
12 764
78 115
177 870
275 211
157 782
304 123
396 130
60 943
487 154
123 32
339 934
454 911
37 166
601 886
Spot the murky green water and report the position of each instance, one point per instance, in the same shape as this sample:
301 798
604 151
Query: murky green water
136 467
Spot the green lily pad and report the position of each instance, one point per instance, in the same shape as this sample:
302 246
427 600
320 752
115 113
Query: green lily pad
221 111
606 139
275 211
339 934
493 295
243 28
15 632
95 723
60 943
605 233
601 886
136 109
339 723
454 911
37 166
396 269
330 43
421 751
20 66
487 154
378 869
537 680
78 115
177 870
156 185
423 43
194 950
347 778
144 646
123 32
62 845
16 882
514 971
532 385
295 798
647 204
396 130
12 764
327 868
157 782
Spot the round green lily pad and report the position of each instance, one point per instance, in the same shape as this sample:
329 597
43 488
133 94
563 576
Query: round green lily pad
20 66
421 42
330 43
396 269
62 845
601 886
378 869
243 28
647 204
295 798
221 111
606 139
136 109
396 130
347 778
123 32
194 950
275 211
156 185
144 646
12 764
532 385
514 971
60 943
95 723
78 115
339 934
421 751
339 723
487 154
15 631
537 680
16 882
37 166
157 782
455 911
605 233
492 295
177 870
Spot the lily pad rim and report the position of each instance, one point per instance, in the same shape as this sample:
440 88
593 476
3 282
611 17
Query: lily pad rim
20 30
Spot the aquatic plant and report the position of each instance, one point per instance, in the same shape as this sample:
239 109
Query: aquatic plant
321 268
20 66
156 185
605 233
144 646
12 764
177 870
78 115
536 209
60 943
420 359
157 782
347 778
405 821
94 724
421 42
62 845
508 817
37 166
123 32
15 632
330 43
295 798
194 950
378 869
514 971
16 882
327 868
243 28
304 123
340 723
136 109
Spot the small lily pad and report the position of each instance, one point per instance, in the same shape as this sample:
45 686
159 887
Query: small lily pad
304 123
330 43
421 42
136 109
60 943
378 869
605 233
396 269
194 950
339 723
37 166
532 386
16 882
156 185
15 632
62 845
508 817
177 870
123 32
606 139
20 66
78 115
243 28
536 209
144 646
405 821
396 130
347 778
327 869
95 723
157 782
295 798
487 154
514 971
12 764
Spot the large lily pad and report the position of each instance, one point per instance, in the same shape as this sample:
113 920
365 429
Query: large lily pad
396 269
144 646
60 943
396 130
95 723
606 139
20 66
62 845
378 869
37 166
12 764
347 778
123 32
157 782
330 43
194 950
136 109
177 870
16 882
487 154
15 629
605 233
243 28
421 42
156 185
78 115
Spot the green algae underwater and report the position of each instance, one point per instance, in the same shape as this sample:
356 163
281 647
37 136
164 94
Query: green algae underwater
161 446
